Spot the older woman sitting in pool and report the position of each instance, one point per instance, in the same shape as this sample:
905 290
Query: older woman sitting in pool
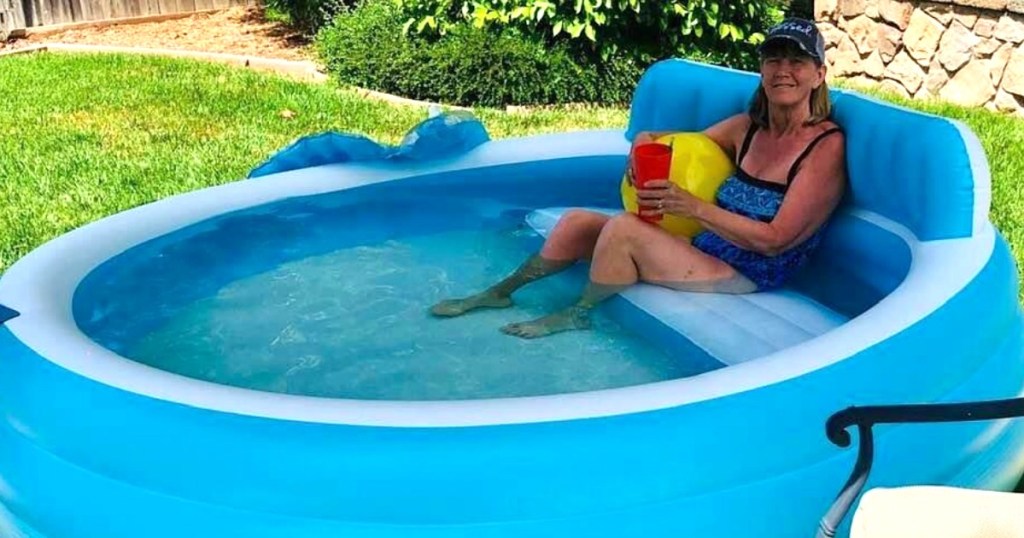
766 220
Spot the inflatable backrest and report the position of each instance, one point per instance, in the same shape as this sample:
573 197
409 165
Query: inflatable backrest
924 172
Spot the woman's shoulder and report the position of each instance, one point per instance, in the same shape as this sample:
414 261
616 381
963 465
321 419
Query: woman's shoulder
729 131
830 135
828 147
829 126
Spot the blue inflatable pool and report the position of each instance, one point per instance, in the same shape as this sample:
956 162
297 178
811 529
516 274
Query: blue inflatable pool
912 299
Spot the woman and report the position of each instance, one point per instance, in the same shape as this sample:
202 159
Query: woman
766 220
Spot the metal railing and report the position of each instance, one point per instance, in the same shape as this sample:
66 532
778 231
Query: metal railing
864 418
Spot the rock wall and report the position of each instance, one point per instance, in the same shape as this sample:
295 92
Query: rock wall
968 52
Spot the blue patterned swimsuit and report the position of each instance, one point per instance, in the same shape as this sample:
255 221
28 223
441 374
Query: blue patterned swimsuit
758 199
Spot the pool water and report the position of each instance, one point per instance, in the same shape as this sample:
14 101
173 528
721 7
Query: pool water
350 318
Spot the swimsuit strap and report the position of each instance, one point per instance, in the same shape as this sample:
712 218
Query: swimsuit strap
796 163
746 143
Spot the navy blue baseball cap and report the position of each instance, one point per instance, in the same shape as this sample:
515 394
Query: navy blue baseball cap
800 31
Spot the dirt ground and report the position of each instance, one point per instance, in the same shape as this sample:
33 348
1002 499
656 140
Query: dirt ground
237 30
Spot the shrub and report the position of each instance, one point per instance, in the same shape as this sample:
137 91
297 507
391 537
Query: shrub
309 16
466 66
643 29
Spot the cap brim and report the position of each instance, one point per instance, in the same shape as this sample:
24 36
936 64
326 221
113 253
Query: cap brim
778 38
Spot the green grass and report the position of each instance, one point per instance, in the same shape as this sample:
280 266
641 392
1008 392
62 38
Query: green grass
83 137
275 14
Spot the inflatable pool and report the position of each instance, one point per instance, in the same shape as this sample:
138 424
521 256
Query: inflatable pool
912 299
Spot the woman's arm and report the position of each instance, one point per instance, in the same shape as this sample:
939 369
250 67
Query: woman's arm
814 194
728 133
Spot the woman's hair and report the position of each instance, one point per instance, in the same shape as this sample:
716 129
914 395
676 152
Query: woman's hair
821 104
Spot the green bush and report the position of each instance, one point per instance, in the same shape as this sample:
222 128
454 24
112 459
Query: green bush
309 16
646 30
466 66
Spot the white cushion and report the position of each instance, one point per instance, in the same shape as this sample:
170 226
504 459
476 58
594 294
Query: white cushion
938 512
730 328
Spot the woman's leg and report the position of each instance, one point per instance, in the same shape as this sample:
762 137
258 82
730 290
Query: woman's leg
628 251
572 239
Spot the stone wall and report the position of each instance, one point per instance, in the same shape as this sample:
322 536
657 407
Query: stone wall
967 52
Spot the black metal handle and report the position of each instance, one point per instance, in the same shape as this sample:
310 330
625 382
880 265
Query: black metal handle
866 417
7 314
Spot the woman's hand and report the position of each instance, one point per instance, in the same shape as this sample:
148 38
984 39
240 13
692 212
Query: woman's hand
642 137
662 197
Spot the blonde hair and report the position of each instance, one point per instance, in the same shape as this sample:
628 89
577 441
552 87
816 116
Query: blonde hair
821 106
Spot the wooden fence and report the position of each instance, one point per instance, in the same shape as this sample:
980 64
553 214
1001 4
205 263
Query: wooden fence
11 16
17 14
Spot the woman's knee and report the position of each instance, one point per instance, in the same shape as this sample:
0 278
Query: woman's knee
581 218
577 230
624 227
577 224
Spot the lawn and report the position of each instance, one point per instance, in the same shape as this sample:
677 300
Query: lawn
82 137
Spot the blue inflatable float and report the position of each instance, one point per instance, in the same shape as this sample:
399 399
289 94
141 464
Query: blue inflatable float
912 299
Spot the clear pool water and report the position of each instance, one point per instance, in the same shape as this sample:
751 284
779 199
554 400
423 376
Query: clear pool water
320 299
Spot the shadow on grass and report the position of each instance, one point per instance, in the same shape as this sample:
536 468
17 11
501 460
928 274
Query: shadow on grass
279 29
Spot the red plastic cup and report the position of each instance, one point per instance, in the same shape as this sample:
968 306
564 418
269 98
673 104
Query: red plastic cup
651 161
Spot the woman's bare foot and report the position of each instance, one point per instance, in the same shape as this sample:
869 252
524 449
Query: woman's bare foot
570 319
457 307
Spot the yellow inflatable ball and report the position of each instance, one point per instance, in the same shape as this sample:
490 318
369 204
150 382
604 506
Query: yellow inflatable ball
699 166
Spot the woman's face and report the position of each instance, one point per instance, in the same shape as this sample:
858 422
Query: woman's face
789 75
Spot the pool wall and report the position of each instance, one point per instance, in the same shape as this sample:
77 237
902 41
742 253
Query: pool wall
95 445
